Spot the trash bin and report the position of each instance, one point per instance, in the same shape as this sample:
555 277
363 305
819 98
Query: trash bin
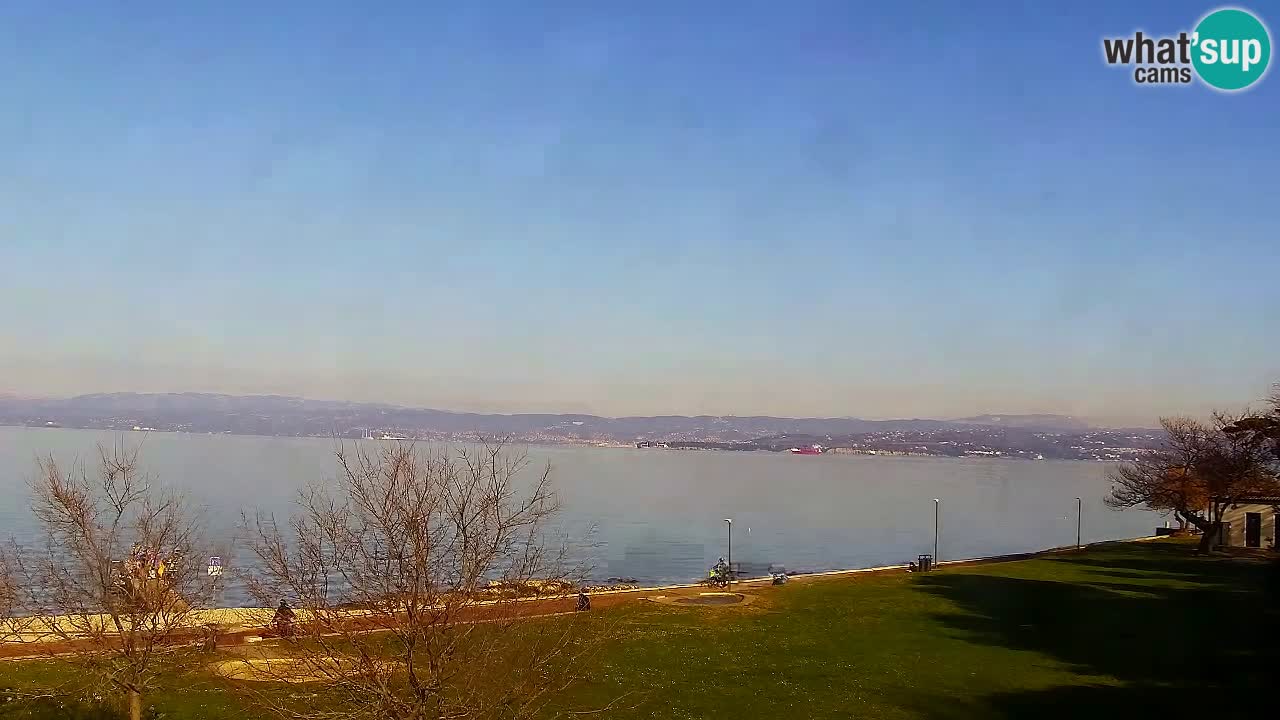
925 563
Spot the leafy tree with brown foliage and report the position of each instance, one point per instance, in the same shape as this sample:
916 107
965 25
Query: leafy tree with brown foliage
1263 429
1203 469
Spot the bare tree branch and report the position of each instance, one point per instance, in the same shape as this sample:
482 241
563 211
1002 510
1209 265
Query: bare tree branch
114 582
416 581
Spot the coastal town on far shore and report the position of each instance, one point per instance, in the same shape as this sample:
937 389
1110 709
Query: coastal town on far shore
1027 437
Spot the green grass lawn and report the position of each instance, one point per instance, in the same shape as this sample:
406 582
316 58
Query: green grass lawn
1141 626
1135 629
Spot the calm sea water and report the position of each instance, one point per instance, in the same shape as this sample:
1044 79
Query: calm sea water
658 515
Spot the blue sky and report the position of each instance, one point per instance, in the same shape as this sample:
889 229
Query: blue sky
872 209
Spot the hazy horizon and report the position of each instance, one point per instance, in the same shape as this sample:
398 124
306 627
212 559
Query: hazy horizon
1102 422
821 209
458 402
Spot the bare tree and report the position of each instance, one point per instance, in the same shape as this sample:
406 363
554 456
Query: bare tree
1203 469
13 622
114 581
415 584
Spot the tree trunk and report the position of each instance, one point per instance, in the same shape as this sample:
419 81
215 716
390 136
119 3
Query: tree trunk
1207 529
1210 537
135 705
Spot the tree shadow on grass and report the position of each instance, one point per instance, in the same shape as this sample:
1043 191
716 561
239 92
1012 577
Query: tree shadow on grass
1151 575
1207 647
1100 701
1175 561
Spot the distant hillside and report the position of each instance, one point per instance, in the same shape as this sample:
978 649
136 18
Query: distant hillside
279 415
1028 422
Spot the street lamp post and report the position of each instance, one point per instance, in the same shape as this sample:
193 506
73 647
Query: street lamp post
729 522
1079 515
937 511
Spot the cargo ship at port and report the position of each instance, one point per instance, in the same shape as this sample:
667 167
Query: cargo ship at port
808 450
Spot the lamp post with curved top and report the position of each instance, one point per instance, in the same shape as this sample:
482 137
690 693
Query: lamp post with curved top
1079 515
729 560
937 512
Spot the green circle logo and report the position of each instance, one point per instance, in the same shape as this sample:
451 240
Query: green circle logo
1232 49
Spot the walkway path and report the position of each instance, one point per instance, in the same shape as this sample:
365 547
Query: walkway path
245 625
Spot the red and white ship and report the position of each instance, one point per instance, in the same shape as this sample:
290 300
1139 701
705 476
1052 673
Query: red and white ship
807 450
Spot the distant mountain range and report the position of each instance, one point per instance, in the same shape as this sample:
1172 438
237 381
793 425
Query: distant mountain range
279 415
1035 437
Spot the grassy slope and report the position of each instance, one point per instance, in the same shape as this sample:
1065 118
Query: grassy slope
1116 629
